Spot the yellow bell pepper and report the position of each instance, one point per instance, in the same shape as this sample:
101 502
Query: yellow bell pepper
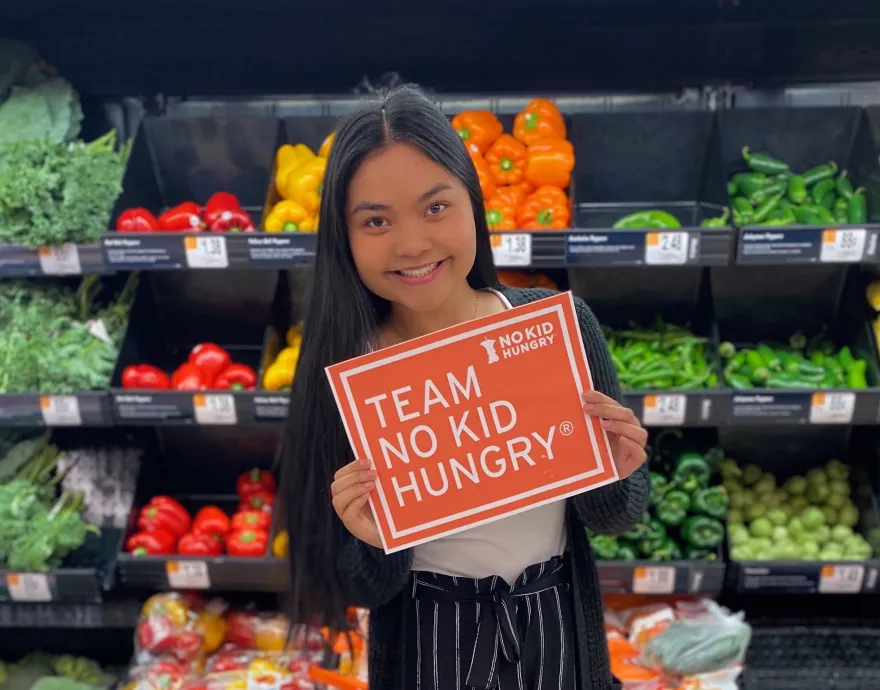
289 355
289 216
278 376
287 160
294 335
281 544
213 629
304 184
169 605
326 145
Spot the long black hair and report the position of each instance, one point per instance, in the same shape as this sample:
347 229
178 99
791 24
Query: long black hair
342 317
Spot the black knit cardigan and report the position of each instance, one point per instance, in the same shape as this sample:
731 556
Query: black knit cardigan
376 581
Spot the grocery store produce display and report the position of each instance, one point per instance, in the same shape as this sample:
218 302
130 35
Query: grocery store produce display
299 176
209 367
811 364
222 212
43 671
661 357
808 517
772 194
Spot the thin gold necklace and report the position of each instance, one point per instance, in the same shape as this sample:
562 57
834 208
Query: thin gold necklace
476 307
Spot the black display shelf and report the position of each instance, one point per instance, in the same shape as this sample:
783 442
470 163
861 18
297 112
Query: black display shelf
673 577
70 259
222 573
89 408
805 138
112 614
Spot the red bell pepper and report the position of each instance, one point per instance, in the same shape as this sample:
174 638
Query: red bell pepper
236 377
211 359
189 377
163 512
218 204
262 500
145 376
199 544
137 220
183 217
236 220
241 629
213 521
155 542
247 543
253 482
251 519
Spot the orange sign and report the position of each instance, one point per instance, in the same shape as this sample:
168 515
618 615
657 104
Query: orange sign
474 422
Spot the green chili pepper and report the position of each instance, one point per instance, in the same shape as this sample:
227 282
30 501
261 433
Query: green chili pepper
718 222
797 190
666 550
828 200
712 501
760 162
765 193
692 553
604 547
841 210
820 189
783 381
819 173
779 222
647 220
846 359
731 188
858 207
769 357
627 552
812 214
809 369
765 208
750 182
856 377
691 471
738 382
844 185
741 205
672 510
703 532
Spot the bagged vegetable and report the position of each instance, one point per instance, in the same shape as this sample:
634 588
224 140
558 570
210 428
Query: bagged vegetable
699 645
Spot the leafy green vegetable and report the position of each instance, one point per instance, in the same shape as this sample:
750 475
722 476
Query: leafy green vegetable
55 193
49 342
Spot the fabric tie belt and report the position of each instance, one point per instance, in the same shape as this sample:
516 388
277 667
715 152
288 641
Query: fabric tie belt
498 621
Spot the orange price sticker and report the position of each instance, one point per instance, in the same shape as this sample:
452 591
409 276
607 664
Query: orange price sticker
188 575
654 580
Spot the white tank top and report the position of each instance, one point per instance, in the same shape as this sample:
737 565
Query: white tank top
505 547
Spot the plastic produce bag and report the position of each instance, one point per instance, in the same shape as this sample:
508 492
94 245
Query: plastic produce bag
700 644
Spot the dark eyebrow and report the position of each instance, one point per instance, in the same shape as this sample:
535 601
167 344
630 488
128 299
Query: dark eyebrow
370 206
434 190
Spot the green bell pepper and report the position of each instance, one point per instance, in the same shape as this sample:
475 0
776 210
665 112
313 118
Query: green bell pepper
703 532
666 550
627 552
647 220
605 548
673 509
657 530
712 501
692 553
691 472
659 486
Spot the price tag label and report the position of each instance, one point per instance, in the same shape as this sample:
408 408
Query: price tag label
60 261
843 246
28 587
512 249
664 410
841 579
654 580
666 248
832 408
206 252
188 575
60 410
215 409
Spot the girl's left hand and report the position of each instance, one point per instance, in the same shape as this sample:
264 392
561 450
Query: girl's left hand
626 436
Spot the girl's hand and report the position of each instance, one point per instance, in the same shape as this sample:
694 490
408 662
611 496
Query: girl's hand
350 490
626 436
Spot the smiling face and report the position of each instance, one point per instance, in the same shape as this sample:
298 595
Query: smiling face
411 228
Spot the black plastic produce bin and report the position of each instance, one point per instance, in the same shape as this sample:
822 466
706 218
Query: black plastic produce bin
221 573
177 159
628 162
164 335
804 138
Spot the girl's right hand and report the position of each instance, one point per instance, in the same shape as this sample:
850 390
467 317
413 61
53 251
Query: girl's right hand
350 490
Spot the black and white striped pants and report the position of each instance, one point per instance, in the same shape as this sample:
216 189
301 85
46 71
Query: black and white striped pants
485 634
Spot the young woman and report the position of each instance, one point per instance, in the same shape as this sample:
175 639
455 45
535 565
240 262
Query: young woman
404 250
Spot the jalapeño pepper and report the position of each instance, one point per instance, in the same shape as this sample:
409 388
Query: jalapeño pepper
820 189
765 193
797 190
828 200
819 173
841 210
844 185
858 207
717 222
751 182
765 208
855 377
760 162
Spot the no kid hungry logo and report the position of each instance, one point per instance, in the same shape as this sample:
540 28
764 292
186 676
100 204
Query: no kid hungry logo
474 422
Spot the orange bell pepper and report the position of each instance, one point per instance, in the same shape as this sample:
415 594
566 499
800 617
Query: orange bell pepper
507 160
479 128
539 120
487 182
516 192
546 209
549 163
502 207
526 187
